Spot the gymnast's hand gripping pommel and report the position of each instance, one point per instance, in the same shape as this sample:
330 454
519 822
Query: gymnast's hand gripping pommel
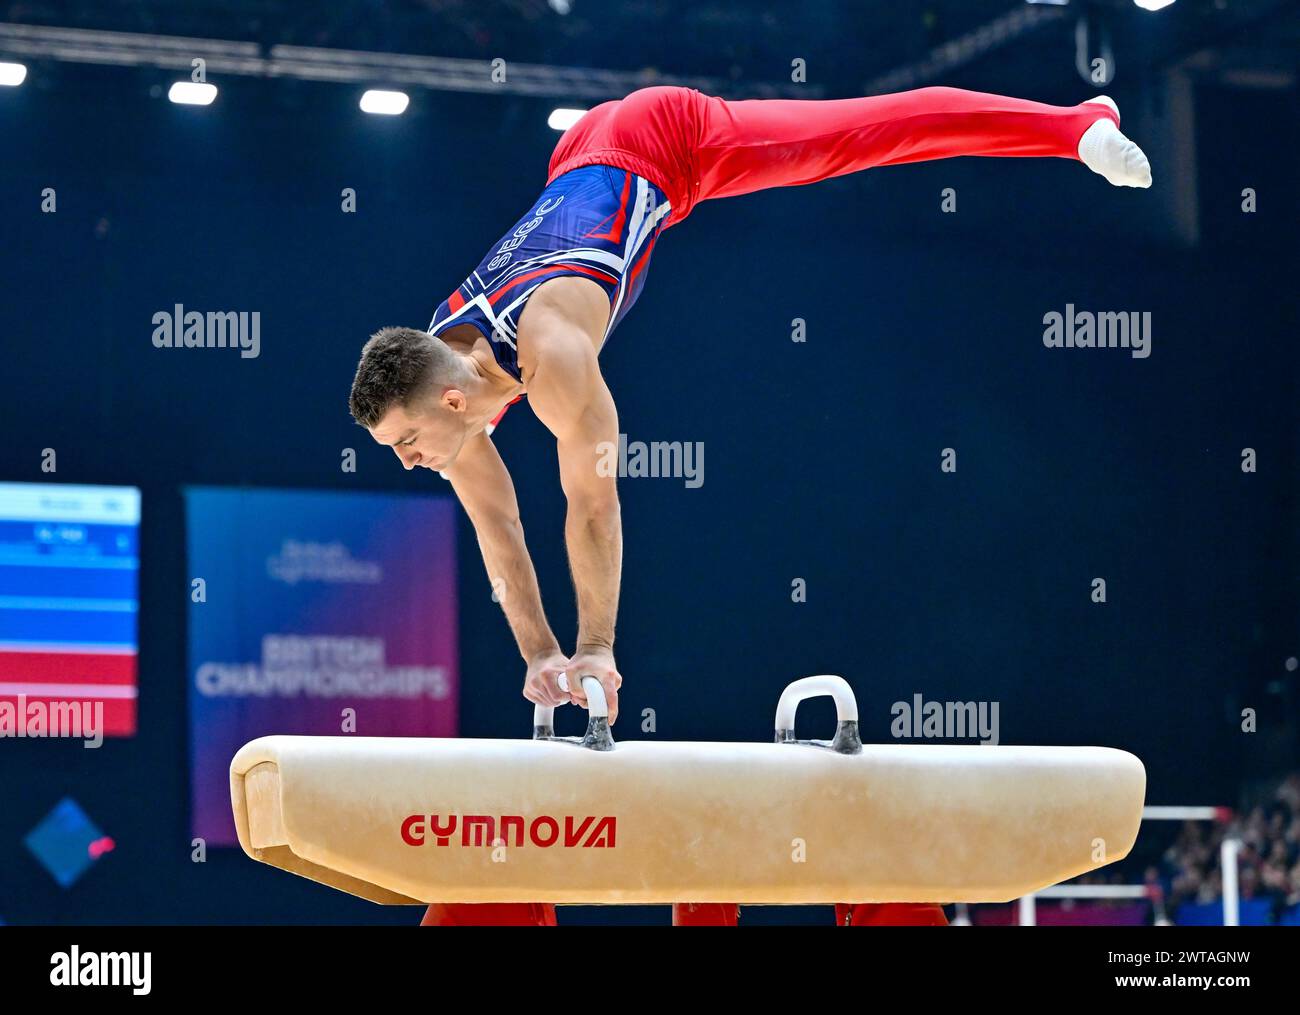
598 736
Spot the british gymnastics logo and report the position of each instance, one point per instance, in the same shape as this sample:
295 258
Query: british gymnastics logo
321 562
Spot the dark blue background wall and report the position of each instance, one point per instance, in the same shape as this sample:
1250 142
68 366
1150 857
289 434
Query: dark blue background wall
821 459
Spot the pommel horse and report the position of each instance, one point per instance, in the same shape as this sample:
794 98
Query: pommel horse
580 820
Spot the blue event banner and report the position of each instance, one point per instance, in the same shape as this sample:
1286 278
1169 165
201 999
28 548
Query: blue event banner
314 613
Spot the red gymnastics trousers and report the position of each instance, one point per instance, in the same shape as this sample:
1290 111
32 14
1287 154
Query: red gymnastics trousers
702 914
695 147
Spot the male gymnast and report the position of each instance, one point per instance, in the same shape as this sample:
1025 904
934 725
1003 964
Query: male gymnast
576 262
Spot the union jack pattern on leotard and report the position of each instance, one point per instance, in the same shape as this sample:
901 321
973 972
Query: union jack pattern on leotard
597 222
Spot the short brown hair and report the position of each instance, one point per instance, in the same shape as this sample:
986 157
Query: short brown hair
396 365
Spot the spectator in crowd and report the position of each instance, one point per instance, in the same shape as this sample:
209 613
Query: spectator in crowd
1268 864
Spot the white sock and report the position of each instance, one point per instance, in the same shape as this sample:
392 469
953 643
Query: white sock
1105 150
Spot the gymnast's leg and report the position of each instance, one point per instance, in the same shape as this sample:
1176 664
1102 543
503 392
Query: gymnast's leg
760 143
890 914
884 914
489 914
705 914
527 914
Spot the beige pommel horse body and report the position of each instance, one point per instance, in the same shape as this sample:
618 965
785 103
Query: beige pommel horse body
404 821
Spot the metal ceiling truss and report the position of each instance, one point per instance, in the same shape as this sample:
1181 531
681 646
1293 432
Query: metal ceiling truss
309 63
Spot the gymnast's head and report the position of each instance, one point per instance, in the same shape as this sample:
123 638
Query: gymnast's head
413 394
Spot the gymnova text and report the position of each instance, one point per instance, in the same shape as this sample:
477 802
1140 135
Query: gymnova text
944 720
656 460
73 720
488 830
1086 329
179 328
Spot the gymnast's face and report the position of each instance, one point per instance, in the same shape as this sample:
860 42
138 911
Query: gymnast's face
428 433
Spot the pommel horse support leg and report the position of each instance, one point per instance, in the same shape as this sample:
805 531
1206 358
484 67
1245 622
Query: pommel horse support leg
406 821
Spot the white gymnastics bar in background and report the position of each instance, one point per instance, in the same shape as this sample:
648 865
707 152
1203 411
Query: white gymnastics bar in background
1027 907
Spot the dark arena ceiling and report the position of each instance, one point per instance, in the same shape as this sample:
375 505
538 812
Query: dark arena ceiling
849 47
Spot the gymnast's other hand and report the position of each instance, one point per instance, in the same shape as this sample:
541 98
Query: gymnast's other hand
542 683
594 661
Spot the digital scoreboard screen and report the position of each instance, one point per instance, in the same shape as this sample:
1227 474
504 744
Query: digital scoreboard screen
69 603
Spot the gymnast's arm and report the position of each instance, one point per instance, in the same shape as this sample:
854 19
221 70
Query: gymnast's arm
479 477
569 396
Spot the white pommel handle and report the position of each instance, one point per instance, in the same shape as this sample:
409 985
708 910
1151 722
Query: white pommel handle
597 706
846 706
